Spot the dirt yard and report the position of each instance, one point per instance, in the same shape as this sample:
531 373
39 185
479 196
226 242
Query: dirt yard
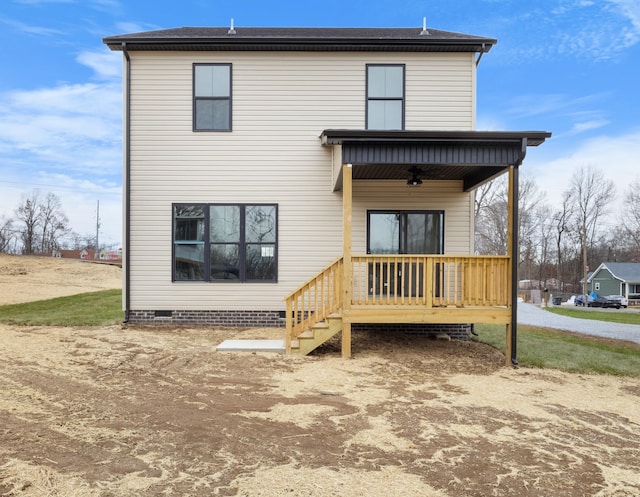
135 411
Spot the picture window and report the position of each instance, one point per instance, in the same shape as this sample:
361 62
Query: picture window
225 242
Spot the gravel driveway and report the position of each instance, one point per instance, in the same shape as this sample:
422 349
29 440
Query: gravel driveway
533 315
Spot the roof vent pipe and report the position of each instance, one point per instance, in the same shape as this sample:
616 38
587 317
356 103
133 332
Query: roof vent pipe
424 27
231 31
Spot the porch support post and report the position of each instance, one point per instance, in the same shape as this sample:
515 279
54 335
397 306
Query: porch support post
347 283
513 253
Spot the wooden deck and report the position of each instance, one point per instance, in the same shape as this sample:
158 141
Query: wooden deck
398 289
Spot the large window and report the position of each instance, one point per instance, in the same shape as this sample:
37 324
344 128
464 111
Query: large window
212 97
385 96
405 232
216 242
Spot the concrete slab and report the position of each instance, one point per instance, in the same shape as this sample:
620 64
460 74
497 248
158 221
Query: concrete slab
276 346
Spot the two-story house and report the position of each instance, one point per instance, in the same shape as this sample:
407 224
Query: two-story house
317 179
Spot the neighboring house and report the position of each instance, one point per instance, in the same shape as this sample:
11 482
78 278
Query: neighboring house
109 255
616 278
318 179
71 254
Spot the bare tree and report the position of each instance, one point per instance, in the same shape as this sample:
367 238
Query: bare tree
561 219
42 222
487 194
27 213
491 209
53 223
592 193
6 233
631 219
491 217
545 247
531 214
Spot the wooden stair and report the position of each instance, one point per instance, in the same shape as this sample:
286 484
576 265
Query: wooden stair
319 333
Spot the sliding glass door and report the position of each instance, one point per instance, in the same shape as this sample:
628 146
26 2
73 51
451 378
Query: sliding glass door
402 232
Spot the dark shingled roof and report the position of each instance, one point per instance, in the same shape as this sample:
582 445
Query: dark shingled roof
626 271
325 39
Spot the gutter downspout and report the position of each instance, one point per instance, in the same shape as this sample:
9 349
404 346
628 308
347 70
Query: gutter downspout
481 54
127 181
515 255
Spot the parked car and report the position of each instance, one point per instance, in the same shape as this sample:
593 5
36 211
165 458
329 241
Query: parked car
599 302
579 300
616 301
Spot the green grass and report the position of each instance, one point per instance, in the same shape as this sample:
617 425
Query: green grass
86 309
541 348
610 316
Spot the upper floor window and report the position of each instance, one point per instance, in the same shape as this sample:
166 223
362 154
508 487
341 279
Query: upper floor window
212 97
385 96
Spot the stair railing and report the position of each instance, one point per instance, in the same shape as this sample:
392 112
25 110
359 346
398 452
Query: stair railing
314 301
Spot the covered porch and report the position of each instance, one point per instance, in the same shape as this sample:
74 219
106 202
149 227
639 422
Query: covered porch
429 288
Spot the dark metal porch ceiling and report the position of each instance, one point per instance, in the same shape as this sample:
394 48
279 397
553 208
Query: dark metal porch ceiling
474 157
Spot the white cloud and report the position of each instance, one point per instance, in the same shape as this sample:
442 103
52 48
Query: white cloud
572 114
36 2
135 27
105 64
112 4
617 156
96 3
576 29
68 127
29 28
581 127
67 139
532 105
631 10
490 123
598 30
111 7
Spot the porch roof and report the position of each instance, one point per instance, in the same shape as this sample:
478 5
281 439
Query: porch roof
474 157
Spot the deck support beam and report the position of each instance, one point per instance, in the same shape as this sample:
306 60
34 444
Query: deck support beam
347 249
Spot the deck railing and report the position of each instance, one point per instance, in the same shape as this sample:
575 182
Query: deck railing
430 280
406 280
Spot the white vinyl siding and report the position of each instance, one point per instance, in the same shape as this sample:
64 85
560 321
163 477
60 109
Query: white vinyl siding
281 103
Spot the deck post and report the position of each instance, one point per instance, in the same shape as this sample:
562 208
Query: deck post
347 283
513 253
289 326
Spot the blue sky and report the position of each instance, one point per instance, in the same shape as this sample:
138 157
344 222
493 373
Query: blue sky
571 67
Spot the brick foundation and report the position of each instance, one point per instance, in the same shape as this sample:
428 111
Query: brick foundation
455 331
275 319
240 319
